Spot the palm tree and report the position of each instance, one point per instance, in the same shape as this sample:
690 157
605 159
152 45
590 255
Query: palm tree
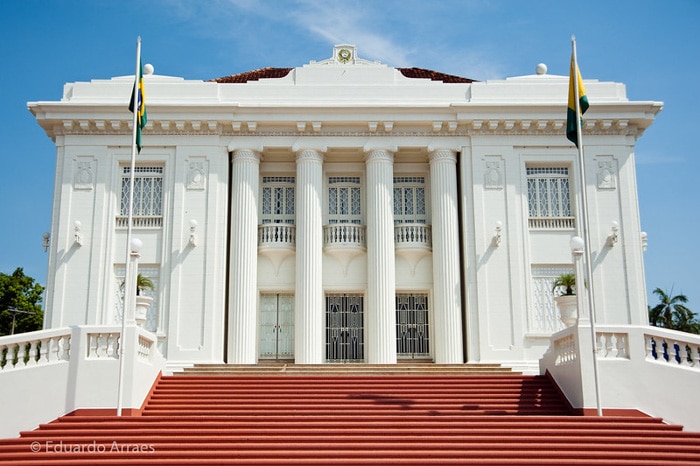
566 281
143 283
672 313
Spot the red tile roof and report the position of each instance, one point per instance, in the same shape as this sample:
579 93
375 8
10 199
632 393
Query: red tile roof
433 75
265 73
254 75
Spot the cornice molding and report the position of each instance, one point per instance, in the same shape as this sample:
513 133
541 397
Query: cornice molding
474 127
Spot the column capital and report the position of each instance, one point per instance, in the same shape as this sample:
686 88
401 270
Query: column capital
310 155
376 155
247 155
442 155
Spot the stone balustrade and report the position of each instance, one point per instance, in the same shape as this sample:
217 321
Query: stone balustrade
276 234
344 234
412 235
651 363
78 368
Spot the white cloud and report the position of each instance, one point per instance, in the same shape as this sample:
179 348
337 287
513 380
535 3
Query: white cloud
398 33
646 158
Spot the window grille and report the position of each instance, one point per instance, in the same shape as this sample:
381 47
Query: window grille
549 197
412 326
544 316
409 199
344 200
277 199
148 197
345 328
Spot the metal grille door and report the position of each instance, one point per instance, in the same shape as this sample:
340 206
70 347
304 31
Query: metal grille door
345 328
412 327
276 326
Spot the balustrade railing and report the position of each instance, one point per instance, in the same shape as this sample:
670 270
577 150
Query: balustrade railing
344 234
102 345
615 343
413 234
552 223
673 350
276 234
51 346
35 348
141 221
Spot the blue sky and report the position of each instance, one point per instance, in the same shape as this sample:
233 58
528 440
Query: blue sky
651 46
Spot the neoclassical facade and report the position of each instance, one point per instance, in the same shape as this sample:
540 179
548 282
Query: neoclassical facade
344 211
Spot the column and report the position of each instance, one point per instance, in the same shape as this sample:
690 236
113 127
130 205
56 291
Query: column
380 310
308 297
242 321
447 302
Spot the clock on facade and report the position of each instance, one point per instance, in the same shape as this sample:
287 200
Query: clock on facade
344 55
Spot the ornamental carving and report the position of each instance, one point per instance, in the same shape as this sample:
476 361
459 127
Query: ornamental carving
493 175
196 176
84 174
606 175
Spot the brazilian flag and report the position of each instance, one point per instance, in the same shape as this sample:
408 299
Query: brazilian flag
572 119
141 117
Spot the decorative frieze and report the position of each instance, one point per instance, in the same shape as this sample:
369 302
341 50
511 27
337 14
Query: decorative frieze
464 128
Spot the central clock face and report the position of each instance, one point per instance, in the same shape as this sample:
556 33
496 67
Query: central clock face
344 55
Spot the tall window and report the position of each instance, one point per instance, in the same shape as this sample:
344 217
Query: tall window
148 197
549 197
344 201
277 199
409 199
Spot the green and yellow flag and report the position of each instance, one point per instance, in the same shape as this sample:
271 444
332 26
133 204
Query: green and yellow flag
141 117
576 91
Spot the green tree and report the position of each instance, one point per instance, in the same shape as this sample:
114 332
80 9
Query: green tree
672 313
20 292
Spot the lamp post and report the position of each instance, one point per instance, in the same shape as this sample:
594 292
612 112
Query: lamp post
578 248
132 268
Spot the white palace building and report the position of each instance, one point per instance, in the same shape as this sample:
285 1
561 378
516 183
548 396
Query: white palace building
342 211
346 211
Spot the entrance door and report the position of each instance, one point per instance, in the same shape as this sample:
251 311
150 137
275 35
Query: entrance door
412 328
277 326
345 328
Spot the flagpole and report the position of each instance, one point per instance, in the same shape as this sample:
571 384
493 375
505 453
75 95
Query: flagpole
128 278
588 284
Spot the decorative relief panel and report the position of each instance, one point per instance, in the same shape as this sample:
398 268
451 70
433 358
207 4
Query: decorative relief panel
197 175
606 174
84 173
493 175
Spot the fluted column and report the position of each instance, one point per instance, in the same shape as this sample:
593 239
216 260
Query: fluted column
242 322
446 278
308 301
380 310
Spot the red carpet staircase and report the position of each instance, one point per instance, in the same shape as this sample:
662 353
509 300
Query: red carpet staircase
379 415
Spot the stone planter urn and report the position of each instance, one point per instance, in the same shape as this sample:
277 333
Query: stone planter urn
568 309
142 305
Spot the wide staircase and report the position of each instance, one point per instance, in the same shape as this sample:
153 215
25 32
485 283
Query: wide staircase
353 415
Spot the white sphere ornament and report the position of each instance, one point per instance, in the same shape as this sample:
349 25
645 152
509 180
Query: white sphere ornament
541 69
576 244
136 245
148 69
